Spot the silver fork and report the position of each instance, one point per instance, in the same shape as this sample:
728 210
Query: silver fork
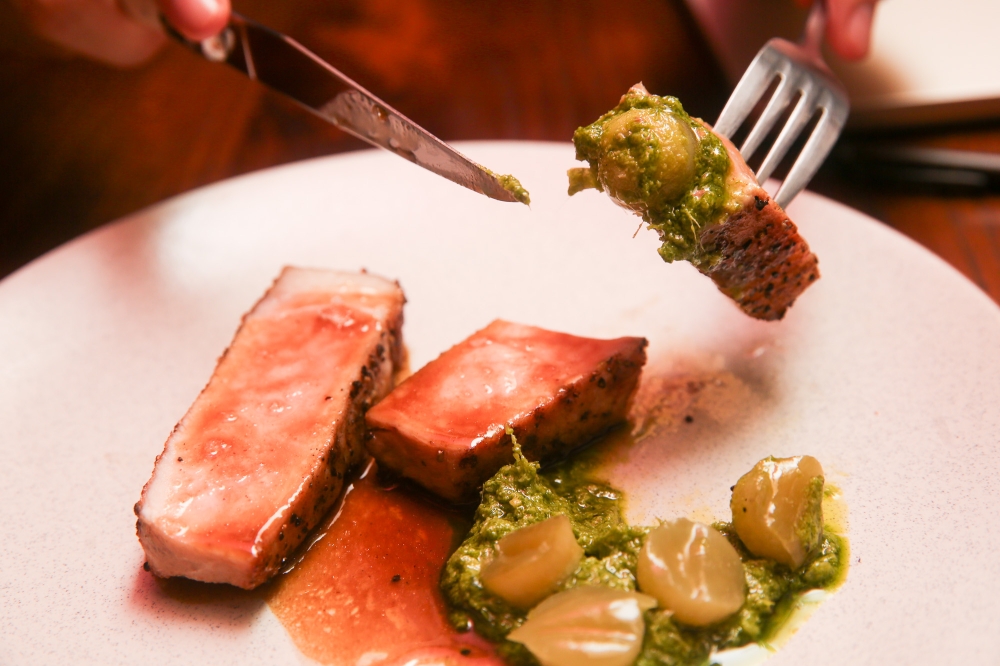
802 71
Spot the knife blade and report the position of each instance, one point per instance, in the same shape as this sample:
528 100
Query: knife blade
284 65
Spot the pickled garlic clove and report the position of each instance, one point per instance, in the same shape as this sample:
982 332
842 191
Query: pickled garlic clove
532 561
778 508
692 570
597 626
648 157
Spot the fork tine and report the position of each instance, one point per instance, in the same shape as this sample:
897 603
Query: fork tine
778 103
816 149
804 110
748 91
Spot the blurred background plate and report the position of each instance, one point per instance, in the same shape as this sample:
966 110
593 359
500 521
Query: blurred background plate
930 62
886 369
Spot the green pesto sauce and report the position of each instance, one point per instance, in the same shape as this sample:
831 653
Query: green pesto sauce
519 495
637 157
512 185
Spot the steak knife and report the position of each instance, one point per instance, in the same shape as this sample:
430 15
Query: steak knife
286 66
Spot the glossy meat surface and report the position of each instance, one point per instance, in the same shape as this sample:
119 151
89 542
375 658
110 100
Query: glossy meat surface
261 454
444 427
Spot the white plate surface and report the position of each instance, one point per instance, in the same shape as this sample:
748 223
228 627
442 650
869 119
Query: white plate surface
887 370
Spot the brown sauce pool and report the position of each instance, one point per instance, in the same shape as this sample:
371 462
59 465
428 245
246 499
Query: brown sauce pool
366 592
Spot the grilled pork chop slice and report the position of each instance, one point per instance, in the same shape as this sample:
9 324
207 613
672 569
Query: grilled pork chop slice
444 427
261 455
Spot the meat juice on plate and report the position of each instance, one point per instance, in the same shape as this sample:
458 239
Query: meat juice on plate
367 590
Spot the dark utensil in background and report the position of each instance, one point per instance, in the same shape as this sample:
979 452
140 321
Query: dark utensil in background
902 166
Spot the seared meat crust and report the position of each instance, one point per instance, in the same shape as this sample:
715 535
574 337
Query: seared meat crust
757 257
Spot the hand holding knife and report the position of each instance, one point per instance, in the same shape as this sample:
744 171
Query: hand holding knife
287 67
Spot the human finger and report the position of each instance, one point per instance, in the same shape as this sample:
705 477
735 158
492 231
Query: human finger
97 29
849 26
196 19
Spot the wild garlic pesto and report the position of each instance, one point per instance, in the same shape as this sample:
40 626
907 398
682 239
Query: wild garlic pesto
653 158
512 185
519 495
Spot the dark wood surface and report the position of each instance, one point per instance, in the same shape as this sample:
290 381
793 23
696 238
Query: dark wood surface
83 144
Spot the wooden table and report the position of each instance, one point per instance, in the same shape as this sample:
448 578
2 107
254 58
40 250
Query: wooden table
84 144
